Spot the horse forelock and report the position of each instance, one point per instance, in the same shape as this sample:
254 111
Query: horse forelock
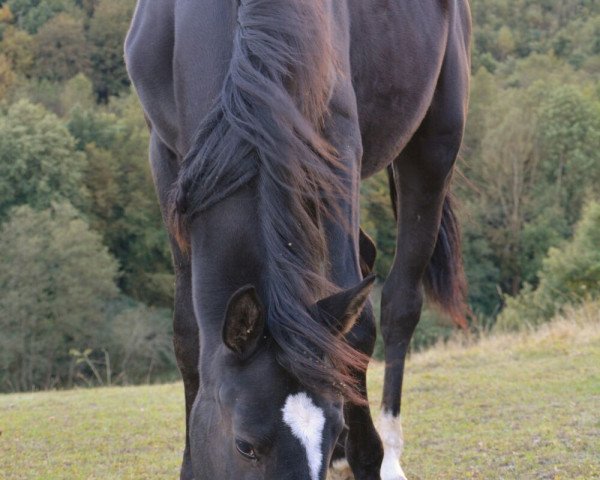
267 124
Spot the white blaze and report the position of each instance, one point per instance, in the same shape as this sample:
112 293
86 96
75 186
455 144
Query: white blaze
306 421
390 430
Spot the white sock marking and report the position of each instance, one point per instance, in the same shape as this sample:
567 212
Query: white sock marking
390 429
340 465
306 421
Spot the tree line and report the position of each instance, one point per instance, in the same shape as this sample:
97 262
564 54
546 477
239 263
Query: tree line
86 285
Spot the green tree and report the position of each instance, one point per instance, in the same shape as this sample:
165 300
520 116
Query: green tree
141 346
123 203
60 49
531 155
18 47
7 76
106 36
56 278
78 92
569 139
505 42
38 160
569 276
30 15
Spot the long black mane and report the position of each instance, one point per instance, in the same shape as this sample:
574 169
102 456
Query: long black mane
266 125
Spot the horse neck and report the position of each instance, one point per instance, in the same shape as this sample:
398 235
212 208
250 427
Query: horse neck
226 254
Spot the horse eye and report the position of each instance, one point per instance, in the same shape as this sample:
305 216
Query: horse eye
246 450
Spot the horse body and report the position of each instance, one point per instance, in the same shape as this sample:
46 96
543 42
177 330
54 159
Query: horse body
390 39
386 86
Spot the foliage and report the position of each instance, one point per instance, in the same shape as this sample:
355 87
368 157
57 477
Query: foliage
378 220
141 349
106 35
569 275
58 295
7 76
524 27
530 157
71 130
38 160
18 47
31 15
60 49
123 201
55 280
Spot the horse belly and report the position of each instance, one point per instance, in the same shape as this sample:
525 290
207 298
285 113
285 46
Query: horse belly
396 53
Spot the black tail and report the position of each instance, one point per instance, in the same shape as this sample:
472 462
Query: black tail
444 280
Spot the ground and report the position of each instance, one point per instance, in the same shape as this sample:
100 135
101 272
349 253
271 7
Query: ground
511 407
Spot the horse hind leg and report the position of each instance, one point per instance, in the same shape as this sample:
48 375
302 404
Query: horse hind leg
427 252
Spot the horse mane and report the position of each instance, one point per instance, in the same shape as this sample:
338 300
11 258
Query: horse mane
267 124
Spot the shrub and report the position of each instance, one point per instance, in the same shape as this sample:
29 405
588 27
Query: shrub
569 276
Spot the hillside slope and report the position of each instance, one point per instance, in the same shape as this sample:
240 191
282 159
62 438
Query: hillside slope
510 407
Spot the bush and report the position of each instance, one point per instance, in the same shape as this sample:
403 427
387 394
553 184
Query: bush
569 276
56 279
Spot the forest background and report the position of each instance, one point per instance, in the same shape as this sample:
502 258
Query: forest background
86 285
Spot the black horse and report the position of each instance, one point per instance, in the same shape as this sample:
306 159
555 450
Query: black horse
264 117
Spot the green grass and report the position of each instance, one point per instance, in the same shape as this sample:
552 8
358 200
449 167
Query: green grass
512 407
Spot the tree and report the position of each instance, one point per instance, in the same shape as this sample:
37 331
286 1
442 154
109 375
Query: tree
123 203
18 47
569 276
7 76
505 42
569 139
106 36
61 50
77 93
30 15
56 278
38 160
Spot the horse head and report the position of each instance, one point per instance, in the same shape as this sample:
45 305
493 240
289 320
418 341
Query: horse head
253 419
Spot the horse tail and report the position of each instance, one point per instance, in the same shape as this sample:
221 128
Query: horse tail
445 282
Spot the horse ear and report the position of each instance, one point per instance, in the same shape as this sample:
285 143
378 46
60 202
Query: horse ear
244 322
341 311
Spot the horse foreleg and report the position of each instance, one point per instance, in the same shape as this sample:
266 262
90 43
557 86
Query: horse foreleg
186 345
359 447
185 329
363 446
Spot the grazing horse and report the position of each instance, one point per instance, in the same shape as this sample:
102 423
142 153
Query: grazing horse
264 117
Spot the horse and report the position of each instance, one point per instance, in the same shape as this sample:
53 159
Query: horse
264 116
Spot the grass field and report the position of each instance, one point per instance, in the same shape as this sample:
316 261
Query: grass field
524 406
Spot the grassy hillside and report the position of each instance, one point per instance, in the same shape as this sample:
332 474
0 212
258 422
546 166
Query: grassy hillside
507 407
